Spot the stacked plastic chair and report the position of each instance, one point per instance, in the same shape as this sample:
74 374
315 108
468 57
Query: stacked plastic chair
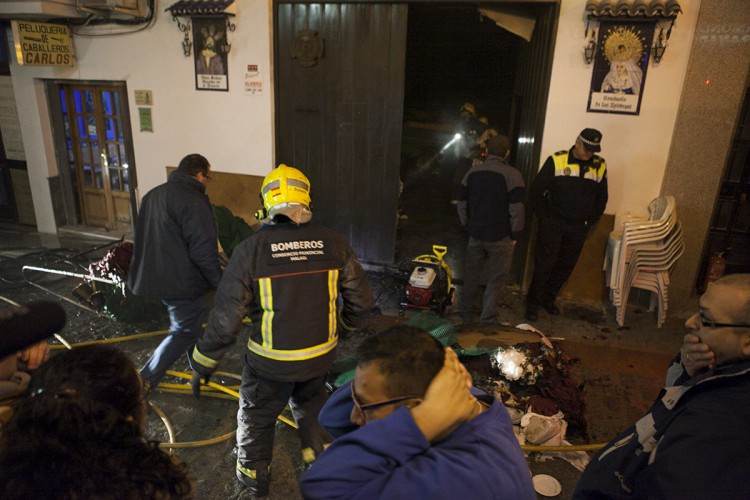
642 254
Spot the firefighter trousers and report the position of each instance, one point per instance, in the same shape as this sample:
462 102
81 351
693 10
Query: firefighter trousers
261 401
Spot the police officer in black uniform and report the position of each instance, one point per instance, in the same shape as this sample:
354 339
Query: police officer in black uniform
568 196
286 278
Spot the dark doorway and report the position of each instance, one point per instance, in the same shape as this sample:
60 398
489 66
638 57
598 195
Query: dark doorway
342 81
454 56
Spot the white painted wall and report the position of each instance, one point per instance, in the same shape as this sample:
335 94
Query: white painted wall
232 129
636 147
235 131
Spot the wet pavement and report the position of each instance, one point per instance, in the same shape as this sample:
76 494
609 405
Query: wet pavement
620 369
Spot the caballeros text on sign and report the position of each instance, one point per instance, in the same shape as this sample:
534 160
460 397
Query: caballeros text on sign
42 44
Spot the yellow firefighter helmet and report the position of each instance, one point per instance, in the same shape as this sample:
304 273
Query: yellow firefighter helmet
286 191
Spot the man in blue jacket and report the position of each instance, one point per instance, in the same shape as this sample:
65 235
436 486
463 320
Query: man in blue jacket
694 442
422 432
176 258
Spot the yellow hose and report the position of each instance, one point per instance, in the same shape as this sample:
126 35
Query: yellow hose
189 392
575 447
229 393
163 417
205 442
226 390
115 339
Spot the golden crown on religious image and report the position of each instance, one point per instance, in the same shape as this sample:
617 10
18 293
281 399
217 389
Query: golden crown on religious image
621 44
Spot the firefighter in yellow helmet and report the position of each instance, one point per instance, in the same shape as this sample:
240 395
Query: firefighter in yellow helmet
287 279
285 191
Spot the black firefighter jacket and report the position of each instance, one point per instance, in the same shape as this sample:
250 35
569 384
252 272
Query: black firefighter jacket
287 280
176 252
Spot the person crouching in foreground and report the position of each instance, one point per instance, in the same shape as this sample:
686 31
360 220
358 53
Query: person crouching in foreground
422 433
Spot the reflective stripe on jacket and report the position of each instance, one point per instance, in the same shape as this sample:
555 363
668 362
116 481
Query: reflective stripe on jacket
287 279
569 189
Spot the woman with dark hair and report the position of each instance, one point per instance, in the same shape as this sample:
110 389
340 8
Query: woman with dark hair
80 435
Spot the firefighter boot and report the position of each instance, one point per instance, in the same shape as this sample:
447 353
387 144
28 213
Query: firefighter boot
257 481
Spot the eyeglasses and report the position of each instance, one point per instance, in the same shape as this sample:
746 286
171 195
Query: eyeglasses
709 323
373 406
208 177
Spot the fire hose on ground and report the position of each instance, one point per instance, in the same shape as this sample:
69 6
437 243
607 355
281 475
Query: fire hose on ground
219 391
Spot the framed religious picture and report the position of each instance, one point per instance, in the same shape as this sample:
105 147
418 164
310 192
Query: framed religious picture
620 63
210 49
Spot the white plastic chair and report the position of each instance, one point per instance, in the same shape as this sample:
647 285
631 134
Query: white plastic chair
635 230
649 269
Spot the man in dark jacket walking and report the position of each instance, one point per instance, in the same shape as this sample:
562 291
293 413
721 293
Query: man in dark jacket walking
176 258
287 279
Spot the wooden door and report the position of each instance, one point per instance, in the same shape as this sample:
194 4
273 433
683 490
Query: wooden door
97 137
339 107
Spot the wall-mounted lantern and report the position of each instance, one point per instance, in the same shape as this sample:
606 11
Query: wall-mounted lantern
661 12
184 11
660 45
589 50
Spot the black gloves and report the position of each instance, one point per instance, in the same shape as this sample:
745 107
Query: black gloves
201 372
196 382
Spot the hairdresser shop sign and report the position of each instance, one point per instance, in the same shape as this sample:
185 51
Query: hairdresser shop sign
42 44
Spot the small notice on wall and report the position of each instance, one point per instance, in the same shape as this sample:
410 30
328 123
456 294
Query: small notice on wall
144 115
253 84
144 98
42 44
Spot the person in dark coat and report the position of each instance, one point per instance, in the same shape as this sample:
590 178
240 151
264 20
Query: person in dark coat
176 258
490 207
568 195
287 279
694 441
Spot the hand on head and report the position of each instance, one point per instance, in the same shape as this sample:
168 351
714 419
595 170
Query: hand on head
447 402
696 356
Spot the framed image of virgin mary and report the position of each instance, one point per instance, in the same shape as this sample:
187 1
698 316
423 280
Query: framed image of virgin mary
620 66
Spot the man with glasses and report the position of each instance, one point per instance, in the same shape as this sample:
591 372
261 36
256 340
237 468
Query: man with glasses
421 432
694 442
176 258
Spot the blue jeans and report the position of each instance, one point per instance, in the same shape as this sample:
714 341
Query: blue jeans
185 318
491 259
